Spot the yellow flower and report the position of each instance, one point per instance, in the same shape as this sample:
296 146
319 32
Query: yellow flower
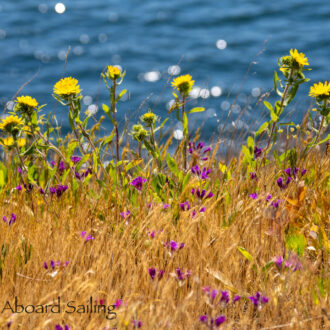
10 122
299 58
9 142
66 87
113 72
320 90
183 84
27 101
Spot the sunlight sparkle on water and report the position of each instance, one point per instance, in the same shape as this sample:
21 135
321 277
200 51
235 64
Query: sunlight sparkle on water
221 44
60 8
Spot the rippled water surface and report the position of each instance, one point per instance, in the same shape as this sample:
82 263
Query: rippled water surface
214 40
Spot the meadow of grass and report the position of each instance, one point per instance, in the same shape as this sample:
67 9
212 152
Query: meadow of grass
152 240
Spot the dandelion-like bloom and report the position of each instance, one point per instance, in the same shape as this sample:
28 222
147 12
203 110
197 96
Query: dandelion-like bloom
183 84
9 142
320 90
300 58
11 123
113 72
66 87
149 119
25 104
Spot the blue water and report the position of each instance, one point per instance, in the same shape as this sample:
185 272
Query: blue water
214 40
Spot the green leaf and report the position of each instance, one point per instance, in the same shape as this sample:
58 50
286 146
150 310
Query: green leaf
262 128
250 144
3 175
71 120
246 254
172 165
121 94
268 106
297 243
185 124
197 109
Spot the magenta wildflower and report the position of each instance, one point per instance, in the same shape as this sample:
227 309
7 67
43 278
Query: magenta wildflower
45 265
181 275
276 203
59 327
52 264
253 176
203 318
174 246
166 206
199 151
76 159
125 214
19 170
19 187
153 273
118 303
278 261
201 194
219 320
185 206
137 324
12 220
138 183
254 195
281 184
224 297
258 299
213 294
303 171
58 190
203 174
236 298
257 152
88 237
268 198
202 210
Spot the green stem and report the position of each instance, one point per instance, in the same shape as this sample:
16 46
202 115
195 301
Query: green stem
185 137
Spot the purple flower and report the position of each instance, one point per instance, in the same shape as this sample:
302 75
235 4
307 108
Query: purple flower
303 171
19 187
138 183
152 234
258 299
174 246
293 262
52 264
253 176
58 190
12 220
257 152
42 192
219 320
88 237
136 324
202 210
125 214
204 174
166 206
199 151
213 294
59 327
185 206
268 198
224 297
254 195
76 159
203 318
278 261
281 184
118 303
45 265
181 275
236 298
19 170
201 194
152 272
276 203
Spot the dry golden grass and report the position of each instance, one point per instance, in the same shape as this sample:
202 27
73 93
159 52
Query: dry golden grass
115 264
